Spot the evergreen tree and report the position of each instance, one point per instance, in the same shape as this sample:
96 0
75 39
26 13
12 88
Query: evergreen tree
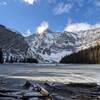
89 56
31 60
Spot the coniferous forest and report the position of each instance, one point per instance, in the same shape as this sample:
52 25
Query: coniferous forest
88 56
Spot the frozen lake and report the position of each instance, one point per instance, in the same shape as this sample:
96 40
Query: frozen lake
53 72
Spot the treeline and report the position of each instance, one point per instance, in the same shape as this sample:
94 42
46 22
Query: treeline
87 56
25 60
16 60
1 56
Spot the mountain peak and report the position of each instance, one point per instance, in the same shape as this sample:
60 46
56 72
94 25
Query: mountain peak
48 31
2 26
44 32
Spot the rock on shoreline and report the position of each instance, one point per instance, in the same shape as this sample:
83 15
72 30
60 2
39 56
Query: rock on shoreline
29 90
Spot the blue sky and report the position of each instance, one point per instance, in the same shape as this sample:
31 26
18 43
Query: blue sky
29 16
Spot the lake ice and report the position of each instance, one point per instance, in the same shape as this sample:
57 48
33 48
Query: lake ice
52 72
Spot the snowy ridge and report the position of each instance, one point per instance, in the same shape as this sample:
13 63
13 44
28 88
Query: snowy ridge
89 38
51 46
47 47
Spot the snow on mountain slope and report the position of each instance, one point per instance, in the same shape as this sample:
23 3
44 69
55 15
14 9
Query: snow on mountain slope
88 38
48 47
52 46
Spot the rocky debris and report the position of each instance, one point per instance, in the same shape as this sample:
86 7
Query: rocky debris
27 84
81 97
52 91
28 92
13 44
57 97
74 91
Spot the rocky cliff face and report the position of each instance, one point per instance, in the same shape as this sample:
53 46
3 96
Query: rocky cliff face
12 43
47 47
52 46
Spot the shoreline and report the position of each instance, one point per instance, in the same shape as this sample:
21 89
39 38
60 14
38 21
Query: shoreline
63 82
59 91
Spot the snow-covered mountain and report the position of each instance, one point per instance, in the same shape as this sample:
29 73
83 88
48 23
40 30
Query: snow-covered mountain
48 46
52 46
12 43
88 38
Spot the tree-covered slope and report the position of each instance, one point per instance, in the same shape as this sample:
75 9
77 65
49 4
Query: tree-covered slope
89 56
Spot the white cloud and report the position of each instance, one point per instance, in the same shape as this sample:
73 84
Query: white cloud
62 8
3 3
43 26
75 27
30 2
28 33
97 3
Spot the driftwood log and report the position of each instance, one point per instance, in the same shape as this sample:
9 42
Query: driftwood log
37 88
32 91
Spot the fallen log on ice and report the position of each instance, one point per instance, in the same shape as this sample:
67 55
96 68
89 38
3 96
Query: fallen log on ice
37 88
29 91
